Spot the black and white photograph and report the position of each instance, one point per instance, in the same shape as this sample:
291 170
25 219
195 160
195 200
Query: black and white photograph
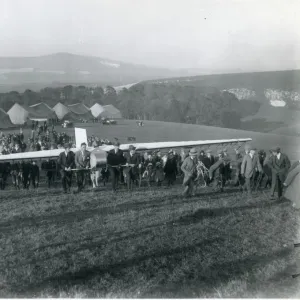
149 149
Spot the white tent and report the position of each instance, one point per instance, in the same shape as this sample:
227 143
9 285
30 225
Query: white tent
60 110
18 114
111 112
96 110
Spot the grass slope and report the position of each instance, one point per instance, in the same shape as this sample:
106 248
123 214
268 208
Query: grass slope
293 130
167 131
148 243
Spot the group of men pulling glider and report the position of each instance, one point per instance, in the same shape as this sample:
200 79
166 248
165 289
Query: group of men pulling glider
248 169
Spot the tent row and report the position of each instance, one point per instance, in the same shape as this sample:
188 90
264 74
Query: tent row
19 115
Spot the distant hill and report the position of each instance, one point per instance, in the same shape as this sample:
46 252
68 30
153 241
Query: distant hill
260 86
278 92
60 69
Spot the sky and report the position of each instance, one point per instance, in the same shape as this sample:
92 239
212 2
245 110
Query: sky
207 34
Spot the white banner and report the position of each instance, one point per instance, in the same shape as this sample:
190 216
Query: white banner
80 136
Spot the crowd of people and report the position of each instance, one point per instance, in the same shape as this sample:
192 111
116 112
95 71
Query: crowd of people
248 169
40 139
43 137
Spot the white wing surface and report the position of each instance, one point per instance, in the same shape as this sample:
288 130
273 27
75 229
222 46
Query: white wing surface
139 146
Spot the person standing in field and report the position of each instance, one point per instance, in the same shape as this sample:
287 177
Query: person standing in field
189 169
280 165
250 164
133 165
216 172
115 159
82 162
66 161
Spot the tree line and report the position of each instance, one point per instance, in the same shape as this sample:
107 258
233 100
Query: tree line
148 101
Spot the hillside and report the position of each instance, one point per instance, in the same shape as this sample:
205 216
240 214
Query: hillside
277 92
19 73
293 130
248 85
271 119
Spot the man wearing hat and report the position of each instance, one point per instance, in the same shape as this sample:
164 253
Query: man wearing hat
189 170
209 159
280 165
201 156
216 172
66 162
115 159
133 166
82 161
170 168
249 165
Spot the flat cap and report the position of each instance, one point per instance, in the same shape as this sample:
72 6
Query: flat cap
131 147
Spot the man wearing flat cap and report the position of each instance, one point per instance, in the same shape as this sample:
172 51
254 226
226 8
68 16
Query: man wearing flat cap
66 162
189 169
249 165
133 165
280 165
115 159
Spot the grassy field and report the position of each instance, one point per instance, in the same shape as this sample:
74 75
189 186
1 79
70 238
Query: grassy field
168 131
148 243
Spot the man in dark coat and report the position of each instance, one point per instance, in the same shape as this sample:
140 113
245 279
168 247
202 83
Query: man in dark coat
280 165
133 164
115 159
66 162
25 171
49 166
202 156
82 162
34 174
216 172
170 169
209 159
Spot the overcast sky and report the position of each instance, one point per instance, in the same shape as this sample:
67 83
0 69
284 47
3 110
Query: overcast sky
209 34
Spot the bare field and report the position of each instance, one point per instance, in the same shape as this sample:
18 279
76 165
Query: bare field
148 243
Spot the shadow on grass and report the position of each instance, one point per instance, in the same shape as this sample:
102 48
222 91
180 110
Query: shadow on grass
211 275
201 214
80 215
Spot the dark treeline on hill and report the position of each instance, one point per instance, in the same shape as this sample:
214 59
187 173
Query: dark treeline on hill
173 103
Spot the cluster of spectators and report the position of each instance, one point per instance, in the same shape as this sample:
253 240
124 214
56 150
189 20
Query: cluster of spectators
95 141
41 139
